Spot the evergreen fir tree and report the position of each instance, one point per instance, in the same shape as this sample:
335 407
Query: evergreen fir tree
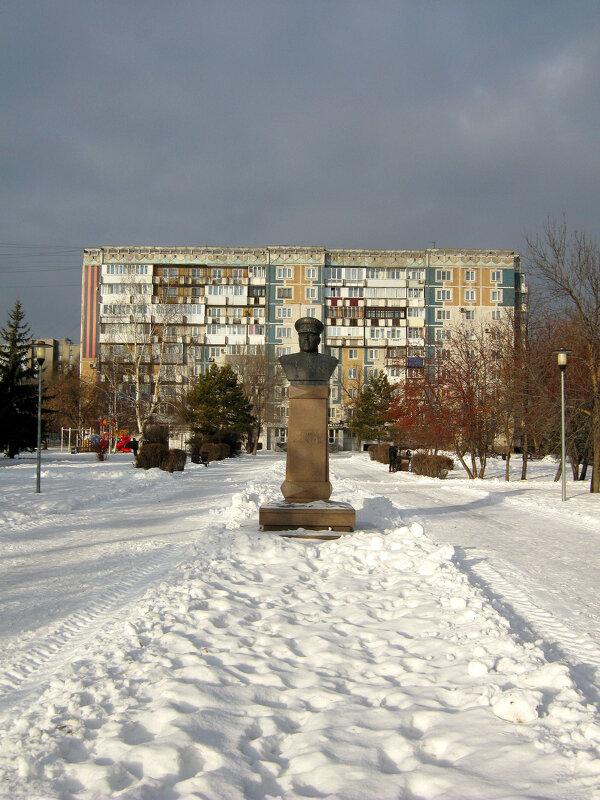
18 388
219 411
371 417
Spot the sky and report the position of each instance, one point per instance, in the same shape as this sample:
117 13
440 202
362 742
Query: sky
336 123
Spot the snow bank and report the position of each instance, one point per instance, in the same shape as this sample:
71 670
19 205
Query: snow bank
366 667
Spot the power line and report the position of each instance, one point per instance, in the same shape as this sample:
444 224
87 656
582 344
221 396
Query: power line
40 285
53 268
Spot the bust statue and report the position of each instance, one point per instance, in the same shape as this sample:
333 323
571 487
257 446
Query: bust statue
308 366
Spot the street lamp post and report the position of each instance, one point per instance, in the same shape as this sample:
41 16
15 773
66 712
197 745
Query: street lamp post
40 357
561 357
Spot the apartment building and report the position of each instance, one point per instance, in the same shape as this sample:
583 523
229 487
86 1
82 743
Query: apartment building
383 310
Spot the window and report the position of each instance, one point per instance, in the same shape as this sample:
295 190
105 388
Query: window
443 275
416 275
353 393
284 294
496 295
397 274
311 292
214 311
470 275
354 273
284 351
442 314
374 371
197 272
215 352
170 272
310 273
224 290
372 355
415 311
256 291
237 273
352 374
390 312
395 292
126 269
443 294
355 291
332 291
470 315
216 273
470 295
442 333
284 311
415 294
496 276
496 314
285 272
172 291
256 272
283 333
311 312
353 354
333 273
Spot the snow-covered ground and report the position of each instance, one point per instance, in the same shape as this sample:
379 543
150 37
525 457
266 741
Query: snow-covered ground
156 645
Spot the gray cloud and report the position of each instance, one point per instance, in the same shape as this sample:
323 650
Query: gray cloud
346 124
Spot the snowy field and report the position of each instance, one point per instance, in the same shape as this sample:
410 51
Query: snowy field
155 645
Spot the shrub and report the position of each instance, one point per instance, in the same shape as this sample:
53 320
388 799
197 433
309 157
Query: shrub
152 455
156 432
215 451
174 461
430 465
380 453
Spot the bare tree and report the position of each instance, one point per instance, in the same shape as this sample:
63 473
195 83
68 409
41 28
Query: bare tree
468 386
259 375
138 353
568 264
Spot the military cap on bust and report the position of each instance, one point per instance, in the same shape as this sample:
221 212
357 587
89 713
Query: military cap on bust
309 325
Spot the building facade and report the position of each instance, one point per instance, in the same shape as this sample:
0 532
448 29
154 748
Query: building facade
60 355
383 310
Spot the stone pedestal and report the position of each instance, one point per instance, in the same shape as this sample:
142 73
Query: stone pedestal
329 518
307 464
306 487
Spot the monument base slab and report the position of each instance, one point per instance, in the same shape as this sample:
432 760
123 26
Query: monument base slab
316 516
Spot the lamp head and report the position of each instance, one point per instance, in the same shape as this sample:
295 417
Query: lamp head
561 357
40 353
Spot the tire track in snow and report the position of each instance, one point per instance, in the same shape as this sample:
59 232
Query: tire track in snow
23 675
530 622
